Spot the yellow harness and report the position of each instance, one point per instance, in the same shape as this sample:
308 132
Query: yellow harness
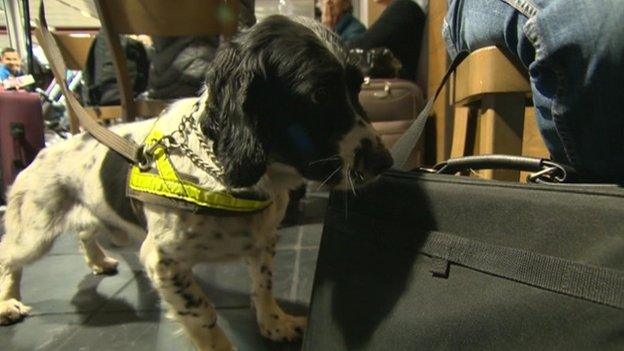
166 182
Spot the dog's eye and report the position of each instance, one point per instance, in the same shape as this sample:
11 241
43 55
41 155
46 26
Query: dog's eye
320 96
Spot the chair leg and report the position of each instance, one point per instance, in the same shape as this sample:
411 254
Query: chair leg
500 127
532 142
460 131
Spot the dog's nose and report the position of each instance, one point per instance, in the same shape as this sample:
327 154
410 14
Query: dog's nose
381 161
372 159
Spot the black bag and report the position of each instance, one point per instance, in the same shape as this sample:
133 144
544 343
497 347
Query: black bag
377 62
437 262
423 261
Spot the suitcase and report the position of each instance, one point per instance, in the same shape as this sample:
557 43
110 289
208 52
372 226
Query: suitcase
422 261
21 133
392 105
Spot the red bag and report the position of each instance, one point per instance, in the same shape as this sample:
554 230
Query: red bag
21 133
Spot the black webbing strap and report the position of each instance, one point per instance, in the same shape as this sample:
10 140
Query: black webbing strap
126 148
601 285
403 147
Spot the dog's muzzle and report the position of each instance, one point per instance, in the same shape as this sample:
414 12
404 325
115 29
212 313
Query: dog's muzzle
371 160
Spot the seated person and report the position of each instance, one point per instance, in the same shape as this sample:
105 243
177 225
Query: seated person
179 64
400 29
100 80
338 15
10 64
574 53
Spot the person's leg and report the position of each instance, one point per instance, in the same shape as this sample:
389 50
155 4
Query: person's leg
574 50
577 79
473 24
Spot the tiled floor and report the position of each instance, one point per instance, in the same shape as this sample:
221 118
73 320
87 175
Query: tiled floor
76 310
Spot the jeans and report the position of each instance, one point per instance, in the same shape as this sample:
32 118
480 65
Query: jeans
574 53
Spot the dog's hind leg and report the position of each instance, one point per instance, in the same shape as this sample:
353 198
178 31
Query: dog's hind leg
96 258
274 323
34 218
30 232
187 302
11 309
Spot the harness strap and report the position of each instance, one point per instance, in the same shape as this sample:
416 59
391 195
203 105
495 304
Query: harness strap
126 148
167 183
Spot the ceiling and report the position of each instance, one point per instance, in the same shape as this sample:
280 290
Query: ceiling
82 13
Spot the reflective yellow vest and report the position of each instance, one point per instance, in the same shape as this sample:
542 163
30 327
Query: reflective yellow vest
166 182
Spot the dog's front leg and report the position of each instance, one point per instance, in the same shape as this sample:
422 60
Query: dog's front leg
188 303
274 323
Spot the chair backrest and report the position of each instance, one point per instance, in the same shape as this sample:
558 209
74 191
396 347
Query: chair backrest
162 18
74 49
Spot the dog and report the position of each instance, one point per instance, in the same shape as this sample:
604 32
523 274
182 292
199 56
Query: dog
280 105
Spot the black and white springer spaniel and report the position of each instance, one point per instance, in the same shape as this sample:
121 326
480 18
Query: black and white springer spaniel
280 105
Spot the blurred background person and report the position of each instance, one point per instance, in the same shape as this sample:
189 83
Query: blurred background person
399 28
338 15
10 64
179 64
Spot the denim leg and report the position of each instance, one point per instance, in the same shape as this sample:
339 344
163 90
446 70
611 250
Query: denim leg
578 75
473 24
574 50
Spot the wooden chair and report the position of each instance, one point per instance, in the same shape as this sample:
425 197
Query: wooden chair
74 51
490 95
162 18
439 139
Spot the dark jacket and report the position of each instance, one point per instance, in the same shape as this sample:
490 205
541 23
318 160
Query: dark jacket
400 29
179 65
100 81
349 27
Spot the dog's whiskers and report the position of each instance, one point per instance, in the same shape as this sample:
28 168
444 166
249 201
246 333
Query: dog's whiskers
330 158
328 178
359 175
348 174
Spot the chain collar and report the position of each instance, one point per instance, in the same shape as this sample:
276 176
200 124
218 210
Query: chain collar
178 140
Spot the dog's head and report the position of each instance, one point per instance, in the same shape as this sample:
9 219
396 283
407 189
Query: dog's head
285 92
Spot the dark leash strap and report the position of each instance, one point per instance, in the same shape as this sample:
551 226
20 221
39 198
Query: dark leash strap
402 149
126 148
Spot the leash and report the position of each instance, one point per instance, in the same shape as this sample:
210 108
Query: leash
140 155
403 147
130 150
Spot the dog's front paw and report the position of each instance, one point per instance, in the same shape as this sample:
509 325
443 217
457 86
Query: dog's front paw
106 266
283 327
12 311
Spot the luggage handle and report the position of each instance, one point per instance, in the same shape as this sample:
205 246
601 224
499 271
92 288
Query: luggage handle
544 170
379 94
18 133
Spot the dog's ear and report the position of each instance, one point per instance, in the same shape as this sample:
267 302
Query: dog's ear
234 82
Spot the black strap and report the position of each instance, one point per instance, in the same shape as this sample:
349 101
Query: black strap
402 149
601 285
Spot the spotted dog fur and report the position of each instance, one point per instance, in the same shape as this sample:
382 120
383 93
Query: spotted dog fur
280 105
